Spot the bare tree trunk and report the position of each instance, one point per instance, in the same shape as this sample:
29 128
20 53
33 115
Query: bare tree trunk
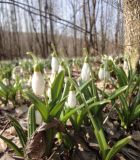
41 28
86 43
103 31
53 40
94 42
132 30
46 28
117 30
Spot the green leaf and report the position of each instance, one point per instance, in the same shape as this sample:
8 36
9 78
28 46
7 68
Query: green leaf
57 86
117 92
121 75
19 130
17 150
85 110
39 105
135 113
31 120
99 133
117 147
57 109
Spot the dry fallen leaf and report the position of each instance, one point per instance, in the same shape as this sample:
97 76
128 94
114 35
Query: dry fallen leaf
3 146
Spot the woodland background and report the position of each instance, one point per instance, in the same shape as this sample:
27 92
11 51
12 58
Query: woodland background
33 25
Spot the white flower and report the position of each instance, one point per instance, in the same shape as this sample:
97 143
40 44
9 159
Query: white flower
103 74
5 81
54 64
61 68
126 67
85 73
38 84
38 117
71 102
17 72
49 93
52 78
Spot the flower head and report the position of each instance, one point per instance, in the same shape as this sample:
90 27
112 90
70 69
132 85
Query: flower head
103 74
71 102
85 72
54 64
38 117
38 84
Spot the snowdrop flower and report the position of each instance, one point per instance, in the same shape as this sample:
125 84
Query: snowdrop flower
38 84
17 72
49 93
71 102
52 78
103 74
125 67
5 81
54 64
85 72
61 67
38 117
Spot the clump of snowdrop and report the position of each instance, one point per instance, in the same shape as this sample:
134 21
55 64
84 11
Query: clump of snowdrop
85 72
71 101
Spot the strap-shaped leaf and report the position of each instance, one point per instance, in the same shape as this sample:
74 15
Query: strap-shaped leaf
117 147
17 150
121 75
39 105
31 120
118 92
57 86
95 105
69 114
135 113
100 136
57 109
20 132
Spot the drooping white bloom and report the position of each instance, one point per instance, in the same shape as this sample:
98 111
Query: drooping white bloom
85 72
52 78
38 117
49 93
71 102
5 81
54 64
17 72
125 67
103 74
61 68
38 84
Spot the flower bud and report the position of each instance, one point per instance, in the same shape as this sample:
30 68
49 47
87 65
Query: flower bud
61 68
85 73
125 67
54 64
71 102
103 74
38 117
38 84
